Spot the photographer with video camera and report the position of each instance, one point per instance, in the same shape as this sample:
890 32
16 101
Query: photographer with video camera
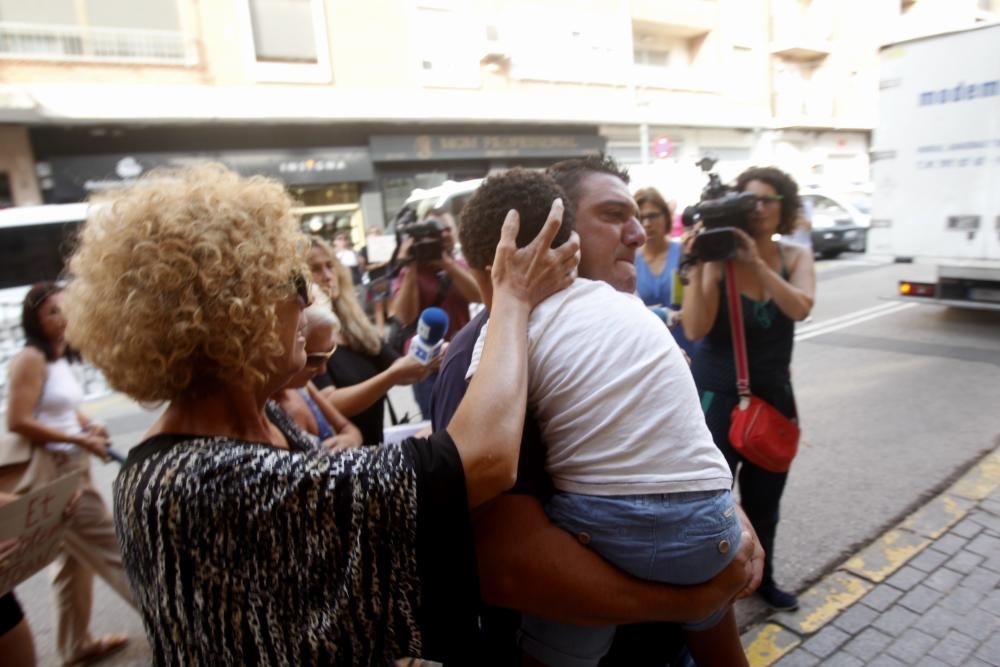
776 282
431 276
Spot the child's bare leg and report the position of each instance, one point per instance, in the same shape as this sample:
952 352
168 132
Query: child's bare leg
718 646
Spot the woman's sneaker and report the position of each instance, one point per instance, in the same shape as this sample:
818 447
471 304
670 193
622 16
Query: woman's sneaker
777 598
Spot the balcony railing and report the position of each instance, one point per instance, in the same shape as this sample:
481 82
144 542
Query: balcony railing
35 41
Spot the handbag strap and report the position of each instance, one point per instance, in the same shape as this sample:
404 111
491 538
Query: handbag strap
738 336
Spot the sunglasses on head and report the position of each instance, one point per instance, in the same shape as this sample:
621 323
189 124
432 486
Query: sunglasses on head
317 359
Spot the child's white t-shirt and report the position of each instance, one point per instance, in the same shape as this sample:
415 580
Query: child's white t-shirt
615 399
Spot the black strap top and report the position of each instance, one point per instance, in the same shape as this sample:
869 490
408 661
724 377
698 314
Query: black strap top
769 337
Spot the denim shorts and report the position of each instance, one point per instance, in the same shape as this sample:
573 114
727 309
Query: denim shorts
674 538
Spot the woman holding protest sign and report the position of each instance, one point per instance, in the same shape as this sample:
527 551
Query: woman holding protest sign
43 408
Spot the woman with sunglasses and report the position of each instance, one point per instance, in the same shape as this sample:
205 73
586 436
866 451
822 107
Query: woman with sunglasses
777 283
43 407
363 369
301 400
245 542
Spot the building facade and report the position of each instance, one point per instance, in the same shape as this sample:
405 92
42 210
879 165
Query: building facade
353 105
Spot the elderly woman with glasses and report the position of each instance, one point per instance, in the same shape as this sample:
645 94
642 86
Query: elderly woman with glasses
777 284
301 400
244 542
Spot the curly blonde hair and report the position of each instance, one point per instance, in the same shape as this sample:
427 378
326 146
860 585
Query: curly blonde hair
175 281
359 333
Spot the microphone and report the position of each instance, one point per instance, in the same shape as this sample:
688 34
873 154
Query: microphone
429 339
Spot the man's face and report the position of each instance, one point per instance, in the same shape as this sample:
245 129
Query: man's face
609 229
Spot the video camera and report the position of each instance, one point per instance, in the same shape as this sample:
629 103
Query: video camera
428 244
720 210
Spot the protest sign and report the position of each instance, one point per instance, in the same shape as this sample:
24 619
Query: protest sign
31 530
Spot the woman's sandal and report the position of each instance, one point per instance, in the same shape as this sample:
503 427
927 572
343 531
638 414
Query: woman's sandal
99 649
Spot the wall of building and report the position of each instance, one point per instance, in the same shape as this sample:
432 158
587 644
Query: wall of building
754 81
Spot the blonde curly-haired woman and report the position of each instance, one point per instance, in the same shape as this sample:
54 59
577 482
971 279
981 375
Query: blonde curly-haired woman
245 542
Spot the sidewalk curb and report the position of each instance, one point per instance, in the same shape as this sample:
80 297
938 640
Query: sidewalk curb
768 641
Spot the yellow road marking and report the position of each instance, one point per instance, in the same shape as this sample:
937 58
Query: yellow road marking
936 517
823 602
886 555
979 482
766 644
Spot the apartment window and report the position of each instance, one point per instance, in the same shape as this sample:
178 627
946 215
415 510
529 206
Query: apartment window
652 57
102 30
287 40
278 27
661 59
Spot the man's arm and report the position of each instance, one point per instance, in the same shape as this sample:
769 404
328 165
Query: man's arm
528 563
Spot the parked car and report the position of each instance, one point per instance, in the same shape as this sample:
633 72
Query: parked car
839 221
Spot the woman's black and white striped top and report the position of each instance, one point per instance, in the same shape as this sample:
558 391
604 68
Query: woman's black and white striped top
240 553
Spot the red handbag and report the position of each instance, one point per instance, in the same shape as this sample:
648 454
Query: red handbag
760 433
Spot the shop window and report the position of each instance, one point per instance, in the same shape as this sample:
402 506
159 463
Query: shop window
326 195
323 209
288 40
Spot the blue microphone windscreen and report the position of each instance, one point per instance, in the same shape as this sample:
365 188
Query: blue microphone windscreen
433 325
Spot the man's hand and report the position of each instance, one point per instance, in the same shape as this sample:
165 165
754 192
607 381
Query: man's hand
742 577
755 566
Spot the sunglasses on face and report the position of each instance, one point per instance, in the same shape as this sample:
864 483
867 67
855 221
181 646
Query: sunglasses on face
301 286
650 216
318 359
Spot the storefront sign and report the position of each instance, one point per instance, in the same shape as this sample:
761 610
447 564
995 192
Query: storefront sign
66 179
459 147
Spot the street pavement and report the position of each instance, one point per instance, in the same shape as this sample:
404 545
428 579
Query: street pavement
926 593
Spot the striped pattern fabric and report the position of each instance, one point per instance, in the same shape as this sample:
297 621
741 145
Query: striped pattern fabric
243 554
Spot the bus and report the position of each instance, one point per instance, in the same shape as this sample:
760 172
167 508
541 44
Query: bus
35 242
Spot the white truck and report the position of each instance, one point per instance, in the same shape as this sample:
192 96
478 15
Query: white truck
936 165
